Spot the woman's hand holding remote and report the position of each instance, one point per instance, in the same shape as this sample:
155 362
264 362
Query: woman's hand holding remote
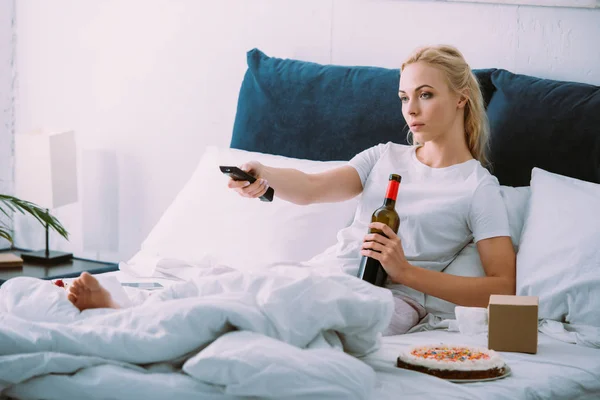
247 189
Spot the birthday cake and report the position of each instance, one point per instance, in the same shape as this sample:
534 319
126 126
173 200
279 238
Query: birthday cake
453 362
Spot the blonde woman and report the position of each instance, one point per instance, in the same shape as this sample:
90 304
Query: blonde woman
447 198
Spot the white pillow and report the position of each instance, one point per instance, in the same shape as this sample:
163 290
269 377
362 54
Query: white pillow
516 200
208 222
559 256
468 263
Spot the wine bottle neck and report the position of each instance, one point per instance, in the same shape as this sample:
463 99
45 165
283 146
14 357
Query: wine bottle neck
391 194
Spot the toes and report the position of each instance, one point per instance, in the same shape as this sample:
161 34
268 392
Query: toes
74 289
89 281
72 298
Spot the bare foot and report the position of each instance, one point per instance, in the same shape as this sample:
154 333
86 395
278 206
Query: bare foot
86 292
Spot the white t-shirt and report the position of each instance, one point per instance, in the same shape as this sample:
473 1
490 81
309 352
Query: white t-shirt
441 210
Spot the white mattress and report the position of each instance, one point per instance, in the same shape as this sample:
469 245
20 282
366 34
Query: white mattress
558 371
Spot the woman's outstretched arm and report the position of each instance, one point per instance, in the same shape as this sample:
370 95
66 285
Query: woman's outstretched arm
337 184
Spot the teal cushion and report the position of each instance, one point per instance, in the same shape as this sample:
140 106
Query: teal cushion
543 123
320 112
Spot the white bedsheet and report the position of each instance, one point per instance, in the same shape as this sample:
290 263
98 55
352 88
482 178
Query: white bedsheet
180 344
558 371
123 276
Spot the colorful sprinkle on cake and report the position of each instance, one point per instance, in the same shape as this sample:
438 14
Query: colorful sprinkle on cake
453 362
451 354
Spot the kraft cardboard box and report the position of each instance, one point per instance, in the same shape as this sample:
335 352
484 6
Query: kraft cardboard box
513 323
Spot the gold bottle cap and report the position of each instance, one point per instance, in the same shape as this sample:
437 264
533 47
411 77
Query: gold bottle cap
395 177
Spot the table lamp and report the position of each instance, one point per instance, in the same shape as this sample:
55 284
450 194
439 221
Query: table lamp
46 174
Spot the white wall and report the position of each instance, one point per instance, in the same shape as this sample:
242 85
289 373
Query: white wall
6 103
147 85
548 42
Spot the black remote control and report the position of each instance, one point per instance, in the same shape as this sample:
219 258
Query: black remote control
238 174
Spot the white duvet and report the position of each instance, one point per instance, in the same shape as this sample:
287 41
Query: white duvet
281 333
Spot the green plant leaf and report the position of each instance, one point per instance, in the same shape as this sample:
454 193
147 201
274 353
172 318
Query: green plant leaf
5 234
5 213
5 231
27 207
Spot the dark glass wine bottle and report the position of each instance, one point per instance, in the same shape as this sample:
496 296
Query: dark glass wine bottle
370 269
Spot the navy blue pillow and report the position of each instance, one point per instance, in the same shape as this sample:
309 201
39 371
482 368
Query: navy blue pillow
320 112
543 123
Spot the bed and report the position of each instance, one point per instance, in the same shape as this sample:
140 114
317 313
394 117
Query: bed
546 155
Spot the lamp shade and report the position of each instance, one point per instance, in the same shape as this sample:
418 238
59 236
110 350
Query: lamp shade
100 200
46 168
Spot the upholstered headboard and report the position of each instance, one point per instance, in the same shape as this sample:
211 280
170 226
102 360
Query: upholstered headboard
327 112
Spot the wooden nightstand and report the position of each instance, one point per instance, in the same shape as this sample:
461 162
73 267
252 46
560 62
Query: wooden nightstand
70 268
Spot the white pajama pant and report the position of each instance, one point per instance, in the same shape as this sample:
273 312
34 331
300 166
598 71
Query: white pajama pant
407 313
